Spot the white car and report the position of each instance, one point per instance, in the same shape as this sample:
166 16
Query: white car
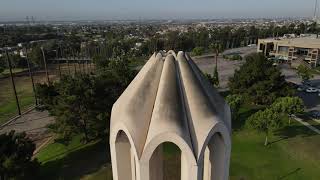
312 90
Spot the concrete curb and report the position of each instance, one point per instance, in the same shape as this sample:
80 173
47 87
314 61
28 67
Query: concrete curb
36 151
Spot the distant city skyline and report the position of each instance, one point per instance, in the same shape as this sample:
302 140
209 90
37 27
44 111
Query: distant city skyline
150 9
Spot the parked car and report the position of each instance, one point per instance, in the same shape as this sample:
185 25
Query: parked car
315 114
307 83
301 88
312 90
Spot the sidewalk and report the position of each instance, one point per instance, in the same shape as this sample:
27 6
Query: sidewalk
307 125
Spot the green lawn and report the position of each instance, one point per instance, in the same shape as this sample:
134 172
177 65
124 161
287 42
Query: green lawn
104 173
294 158
293 154
14 70
8 107
72 161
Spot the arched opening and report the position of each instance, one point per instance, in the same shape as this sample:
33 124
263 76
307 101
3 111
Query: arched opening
214 158
126 165
166 162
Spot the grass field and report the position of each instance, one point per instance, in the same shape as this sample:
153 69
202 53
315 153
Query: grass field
8 107
74 160
293 154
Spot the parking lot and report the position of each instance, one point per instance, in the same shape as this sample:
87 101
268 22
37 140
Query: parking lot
311 100
226 70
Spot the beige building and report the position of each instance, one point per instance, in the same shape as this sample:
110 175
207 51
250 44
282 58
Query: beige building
170 101
303 49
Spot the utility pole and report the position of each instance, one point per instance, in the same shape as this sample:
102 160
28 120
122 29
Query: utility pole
315 10
88 71
45 65
13 84
59 67
75 68
31 76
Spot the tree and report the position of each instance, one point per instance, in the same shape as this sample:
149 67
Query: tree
3 64
46 93
304 73
265 121
271 118
257 80
100 61
197 51
215 77
16 152
218 48
234 102
36 56
82 104
73 109
288 106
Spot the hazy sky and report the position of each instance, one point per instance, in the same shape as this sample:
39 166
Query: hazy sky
149 9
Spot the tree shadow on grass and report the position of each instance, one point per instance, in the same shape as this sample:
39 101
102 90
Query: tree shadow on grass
294 131
78 163
239 122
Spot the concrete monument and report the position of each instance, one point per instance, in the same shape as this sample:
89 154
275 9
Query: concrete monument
170 101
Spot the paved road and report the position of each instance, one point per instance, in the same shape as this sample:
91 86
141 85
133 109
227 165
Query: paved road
33 123
226 70
292 76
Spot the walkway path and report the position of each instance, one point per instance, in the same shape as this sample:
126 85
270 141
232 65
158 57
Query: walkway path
307 125
317 120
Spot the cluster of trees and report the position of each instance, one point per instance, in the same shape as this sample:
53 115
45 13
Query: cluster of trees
259 81
272 118
82 104
16 61
12 35
227 36
3 64
16 152
235 102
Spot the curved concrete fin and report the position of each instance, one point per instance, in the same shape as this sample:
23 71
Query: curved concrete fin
215 98
168 116
134 107
202 116
173 53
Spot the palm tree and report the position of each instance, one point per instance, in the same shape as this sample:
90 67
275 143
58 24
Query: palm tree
218 48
